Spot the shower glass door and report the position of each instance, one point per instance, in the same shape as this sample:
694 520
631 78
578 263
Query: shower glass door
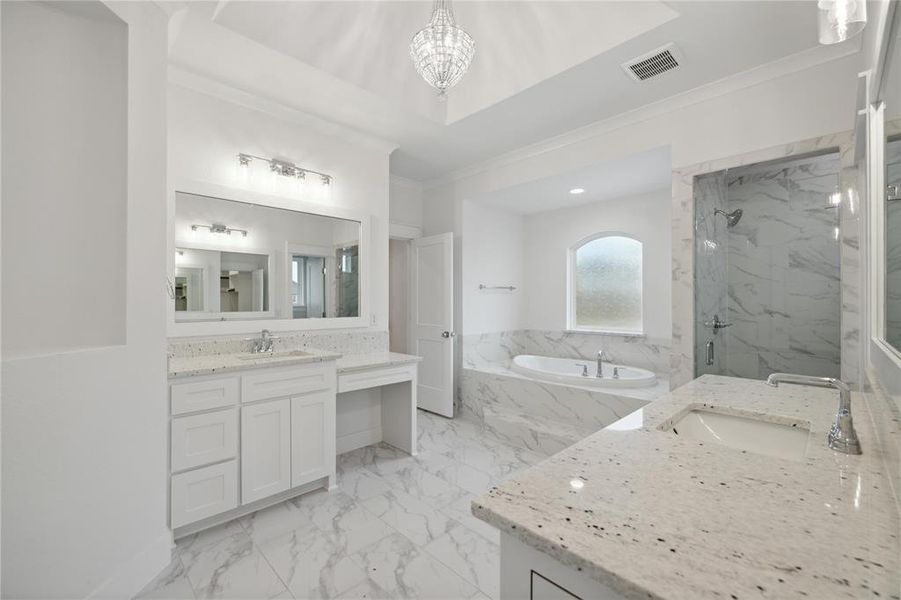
767 277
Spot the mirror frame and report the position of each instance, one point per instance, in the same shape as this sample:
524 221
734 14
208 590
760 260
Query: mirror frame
880 354
233 327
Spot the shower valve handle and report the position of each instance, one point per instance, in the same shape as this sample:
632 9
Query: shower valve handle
716 323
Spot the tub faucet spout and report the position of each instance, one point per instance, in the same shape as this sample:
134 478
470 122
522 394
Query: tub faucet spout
602 358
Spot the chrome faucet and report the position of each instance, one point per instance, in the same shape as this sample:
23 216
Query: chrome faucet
602 358
263 343
842 437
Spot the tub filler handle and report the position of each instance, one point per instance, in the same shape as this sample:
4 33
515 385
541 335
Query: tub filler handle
584 369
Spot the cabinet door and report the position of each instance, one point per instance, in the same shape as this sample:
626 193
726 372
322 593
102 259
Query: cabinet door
265 449
312 437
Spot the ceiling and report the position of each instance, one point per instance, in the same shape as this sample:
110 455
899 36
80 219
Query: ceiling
541 67
619 178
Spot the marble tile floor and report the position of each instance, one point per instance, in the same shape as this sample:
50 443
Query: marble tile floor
396 527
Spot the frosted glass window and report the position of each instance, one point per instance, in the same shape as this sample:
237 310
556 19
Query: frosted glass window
605 291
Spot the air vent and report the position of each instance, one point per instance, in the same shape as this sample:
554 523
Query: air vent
654 63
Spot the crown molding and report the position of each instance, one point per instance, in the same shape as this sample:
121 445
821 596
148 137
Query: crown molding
794 63
188 79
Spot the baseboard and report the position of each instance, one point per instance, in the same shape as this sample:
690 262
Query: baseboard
140 570
352 441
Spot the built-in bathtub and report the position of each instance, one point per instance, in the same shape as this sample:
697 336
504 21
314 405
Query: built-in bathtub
536 403
574 371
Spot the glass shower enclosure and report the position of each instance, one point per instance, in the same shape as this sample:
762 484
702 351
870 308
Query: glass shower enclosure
767 269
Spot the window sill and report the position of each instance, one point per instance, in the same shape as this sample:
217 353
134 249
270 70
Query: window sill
635 334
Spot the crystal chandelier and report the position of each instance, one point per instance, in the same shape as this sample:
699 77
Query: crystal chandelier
442 51
840 20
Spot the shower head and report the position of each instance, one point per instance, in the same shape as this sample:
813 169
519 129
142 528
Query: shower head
732 218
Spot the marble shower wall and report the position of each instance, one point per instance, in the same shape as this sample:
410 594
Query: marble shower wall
781 269
682 354
710 266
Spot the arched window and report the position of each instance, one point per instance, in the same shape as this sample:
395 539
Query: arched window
605 284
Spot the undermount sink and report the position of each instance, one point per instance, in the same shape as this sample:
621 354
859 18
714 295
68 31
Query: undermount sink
788 441
260 355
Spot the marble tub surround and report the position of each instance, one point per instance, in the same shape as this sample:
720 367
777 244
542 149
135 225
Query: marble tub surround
354 362
210 364
544 417
499 348
682 354
340 342
717 522
774 276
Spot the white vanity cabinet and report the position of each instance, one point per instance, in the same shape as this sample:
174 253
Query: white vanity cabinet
312 436
245 439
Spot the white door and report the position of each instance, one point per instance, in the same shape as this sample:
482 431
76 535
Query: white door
312 437
432 320
265 449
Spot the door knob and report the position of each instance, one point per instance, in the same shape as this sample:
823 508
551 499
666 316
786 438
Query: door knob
448 334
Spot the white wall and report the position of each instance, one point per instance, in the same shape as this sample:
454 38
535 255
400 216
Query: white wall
399 258
549 235
84 432
206 132
492 253
406 201
73 276
798 106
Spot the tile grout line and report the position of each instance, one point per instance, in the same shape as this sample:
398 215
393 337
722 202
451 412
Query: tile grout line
259 549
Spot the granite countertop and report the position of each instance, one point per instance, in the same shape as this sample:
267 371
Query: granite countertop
209 364
355 362
654 515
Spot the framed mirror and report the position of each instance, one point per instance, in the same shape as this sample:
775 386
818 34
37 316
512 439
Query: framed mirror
237 261
883 152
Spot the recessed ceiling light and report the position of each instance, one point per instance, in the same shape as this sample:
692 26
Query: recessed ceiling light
577 191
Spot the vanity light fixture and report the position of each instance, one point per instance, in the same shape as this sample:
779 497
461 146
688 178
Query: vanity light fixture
219 228
575 191
282 167
840 20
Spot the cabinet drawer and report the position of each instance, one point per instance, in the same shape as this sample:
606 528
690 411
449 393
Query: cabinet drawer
370 378
203 439
203 395
280 383
204 492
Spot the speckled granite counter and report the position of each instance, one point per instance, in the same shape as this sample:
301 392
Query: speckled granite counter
355 362
190 366
653 515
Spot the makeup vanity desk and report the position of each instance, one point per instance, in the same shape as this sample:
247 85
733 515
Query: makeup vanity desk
364 419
